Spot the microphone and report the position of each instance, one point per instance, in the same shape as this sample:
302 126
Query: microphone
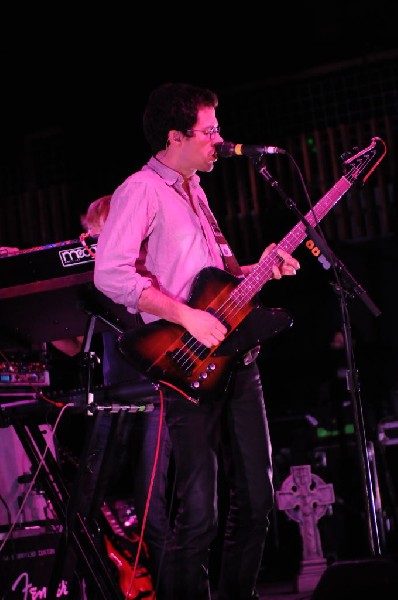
227 149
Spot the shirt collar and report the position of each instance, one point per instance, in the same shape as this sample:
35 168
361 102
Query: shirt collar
170 176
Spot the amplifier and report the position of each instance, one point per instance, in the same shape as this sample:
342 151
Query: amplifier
25 569
23 368
18 373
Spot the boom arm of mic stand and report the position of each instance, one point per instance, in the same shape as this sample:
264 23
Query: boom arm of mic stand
373 535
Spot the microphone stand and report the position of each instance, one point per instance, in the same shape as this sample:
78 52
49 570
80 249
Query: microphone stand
346 286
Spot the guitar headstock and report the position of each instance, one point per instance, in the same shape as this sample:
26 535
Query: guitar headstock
359 164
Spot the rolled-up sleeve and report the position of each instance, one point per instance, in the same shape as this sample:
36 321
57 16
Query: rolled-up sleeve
119 245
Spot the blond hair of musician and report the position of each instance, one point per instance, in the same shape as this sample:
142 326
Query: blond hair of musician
96 215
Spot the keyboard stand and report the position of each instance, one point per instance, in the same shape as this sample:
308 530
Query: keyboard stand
78 547
77 550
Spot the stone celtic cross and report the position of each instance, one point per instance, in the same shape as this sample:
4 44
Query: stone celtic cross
305 498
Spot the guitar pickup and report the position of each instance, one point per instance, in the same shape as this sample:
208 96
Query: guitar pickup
194 346
182 360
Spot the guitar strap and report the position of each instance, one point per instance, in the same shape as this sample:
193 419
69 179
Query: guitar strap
229 259
231 265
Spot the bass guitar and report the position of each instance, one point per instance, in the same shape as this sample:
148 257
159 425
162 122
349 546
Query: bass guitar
168 354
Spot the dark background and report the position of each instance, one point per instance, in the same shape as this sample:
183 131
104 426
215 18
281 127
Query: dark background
92 71
89 72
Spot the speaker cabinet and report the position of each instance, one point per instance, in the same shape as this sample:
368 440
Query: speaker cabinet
349 580
26 564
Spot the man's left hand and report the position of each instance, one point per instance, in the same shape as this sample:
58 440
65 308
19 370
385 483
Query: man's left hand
288 266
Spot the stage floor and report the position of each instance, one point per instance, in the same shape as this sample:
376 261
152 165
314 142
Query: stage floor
277 591
342 580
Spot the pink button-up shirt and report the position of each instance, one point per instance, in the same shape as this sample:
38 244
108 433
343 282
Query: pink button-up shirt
152 236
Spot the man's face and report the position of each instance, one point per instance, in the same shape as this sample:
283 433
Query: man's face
198 152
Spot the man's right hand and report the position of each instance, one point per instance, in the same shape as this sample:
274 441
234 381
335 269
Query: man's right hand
205 327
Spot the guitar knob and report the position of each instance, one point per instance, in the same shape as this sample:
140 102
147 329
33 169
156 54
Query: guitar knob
195 385
203 375
211 367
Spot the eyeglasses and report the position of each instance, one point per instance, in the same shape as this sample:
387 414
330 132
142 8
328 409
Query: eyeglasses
210 131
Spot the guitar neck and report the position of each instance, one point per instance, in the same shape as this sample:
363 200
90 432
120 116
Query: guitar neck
358 167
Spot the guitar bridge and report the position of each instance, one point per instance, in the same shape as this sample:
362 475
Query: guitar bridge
182 360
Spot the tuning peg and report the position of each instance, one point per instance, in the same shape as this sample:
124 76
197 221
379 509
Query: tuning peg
350 153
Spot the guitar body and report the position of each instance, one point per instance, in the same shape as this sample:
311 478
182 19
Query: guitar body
165 352
121 549
133 585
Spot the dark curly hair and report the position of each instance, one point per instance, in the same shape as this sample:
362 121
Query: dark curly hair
173 106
